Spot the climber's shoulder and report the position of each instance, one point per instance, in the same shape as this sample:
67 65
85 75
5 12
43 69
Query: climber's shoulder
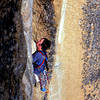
38 54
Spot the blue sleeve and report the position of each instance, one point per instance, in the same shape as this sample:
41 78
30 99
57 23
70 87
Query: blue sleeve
37 57
34 57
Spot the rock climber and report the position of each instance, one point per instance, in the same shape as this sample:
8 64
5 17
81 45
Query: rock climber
40 61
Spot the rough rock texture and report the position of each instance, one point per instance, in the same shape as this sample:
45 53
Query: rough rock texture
15 50
91 45
43 19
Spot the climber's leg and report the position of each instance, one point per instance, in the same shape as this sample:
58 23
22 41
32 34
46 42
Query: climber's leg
43 81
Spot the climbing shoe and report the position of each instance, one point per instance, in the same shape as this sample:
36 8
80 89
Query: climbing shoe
43 89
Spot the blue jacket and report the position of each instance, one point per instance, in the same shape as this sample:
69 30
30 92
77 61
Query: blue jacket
39 61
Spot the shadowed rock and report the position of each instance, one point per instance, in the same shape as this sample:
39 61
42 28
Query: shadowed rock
13 52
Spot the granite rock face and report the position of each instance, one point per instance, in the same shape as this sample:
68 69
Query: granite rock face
15 50
91 46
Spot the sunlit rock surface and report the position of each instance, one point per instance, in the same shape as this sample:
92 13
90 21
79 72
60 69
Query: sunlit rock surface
66 79
76 73
15 54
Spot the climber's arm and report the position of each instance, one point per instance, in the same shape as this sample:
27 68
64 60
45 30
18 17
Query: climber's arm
35 57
